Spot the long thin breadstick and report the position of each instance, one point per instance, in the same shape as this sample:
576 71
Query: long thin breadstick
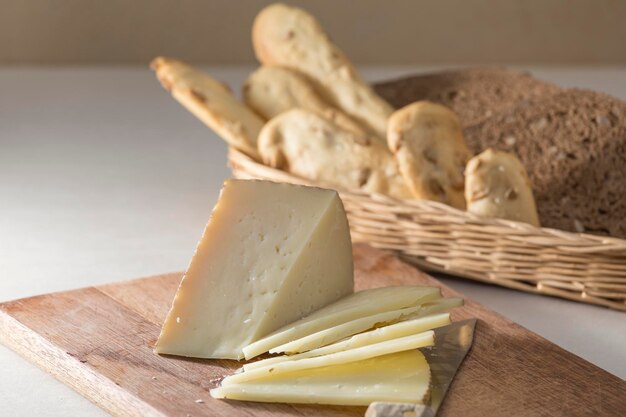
287 36
310 146
211 102
270 91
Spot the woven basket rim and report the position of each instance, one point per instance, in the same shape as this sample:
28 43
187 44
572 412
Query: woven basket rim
575 266
238 159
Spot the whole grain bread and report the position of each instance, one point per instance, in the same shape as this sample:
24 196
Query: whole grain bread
474 94
573 145
572 142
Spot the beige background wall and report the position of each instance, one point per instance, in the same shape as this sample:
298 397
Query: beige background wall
37 32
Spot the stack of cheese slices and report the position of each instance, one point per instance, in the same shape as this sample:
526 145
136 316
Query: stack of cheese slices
273 273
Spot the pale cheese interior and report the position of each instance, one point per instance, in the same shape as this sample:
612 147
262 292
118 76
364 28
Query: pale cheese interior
380 334
356 306
402 377
341 331
351 355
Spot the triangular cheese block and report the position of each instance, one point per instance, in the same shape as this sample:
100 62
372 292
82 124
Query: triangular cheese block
402 377
270 254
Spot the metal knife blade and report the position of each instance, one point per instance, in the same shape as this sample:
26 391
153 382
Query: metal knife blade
452 343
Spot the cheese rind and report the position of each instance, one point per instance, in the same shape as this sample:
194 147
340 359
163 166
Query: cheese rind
270 254
333 334
351 355
381 334
358 305
399 377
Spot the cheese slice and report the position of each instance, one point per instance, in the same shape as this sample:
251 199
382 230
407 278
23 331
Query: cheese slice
270 254
399 377
358 305
333 334
351 355
381 334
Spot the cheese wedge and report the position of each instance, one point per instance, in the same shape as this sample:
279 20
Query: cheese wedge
381 334
347 356
358 305
333 334
399 377
270 254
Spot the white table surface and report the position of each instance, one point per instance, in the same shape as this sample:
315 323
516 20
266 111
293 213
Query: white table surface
103 177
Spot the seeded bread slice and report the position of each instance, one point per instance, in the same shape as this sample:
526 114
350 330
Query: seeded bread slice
474 94
573 145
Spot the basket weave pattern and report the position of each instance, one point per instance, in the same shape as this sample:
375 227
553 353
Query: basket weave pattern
437 237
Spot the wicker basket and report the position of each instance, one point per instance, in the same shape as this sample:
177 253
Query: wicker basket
434 236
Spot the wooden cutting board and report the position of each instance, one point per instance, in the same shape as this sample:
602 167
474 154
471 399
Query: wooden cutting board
99 341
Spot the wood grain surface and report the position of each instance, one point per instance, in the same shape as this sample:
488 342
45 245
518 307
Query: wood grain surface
99 341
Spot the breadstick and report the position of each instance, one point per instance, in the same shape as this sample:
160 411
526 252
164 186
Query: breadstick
308 145
290 37
211 102
496 185
427 142
270 91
